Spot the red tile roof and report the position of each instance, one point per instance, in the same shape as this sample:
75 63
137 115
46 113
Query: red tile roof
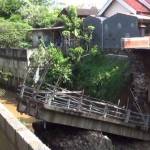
148 1
140 8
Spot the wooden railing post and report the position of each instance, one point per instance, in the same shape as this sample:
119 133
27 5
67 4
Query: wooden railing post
90 108
46 97
146 124
34 95
105 111
22 91
49 99
68 105
80 101
127 116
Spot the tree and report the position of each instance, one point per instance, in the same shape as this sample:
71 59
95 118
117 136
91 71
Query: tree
9 7
39 15
72 22
41 2
13 34
60 66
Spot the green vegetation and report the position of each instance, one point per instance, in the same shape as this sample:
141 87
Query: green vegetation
13 34
72 22
18 17
9 7
60 66
101 77
82 67
5 76
39 16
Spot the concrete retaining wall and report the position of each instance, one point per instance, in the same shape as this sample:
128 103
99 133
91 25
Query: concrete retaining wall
14 61
20 137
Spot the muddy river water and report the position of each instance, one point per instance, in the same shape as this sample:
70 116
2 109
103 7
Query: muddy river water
8 99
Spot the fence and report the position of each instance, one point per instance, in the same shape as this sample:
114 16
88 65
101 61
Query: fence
75 101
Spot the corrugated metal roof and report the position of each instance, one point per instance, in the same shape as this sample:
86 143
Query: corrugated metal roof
48 28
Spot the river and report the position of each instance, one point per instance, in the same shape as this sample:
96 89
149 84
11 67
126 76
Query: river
8 99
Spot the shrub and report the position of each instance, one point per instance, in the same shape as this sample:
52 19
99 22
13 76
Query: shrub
101 77
9 7
13 34
39 16
60 66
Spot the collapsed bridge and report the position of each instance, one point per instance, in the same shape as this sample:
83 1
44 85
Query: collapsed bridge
71 108
60 106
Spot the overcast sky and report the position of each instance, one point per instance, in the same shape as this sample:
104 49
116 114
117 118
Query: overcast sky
83 3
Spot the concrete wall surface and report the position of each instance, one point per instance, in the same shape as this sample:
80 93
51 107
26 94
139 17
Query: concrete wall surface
19 136
14 61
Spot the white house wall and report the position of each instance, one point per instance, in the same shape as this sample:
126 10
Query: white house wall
115 8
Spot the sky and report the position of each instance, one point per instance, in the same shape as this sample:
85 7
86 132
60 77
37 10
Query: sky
82 3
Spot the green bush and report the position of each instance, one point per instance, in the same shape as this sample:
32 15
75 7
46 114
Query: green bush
9 7
13 34
59 65
101 77
39 16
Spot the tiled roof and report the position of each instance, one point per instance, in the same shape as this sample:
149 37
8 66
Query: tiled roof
135 4
148 1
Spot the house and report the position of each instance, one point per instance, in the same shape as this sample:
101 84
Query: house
112 7
48 35
146 3
119 26
109 31
54 33
123 18
97 23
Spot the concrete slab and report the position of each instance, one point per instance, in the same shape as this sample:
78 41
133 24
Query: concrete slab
136 43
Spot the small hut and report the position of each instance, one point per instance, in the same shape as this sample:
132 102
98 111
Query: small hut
48 35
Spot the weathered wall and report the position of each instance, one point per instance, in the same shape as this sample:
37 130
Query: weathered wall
19 136
115 8
109 31
117 27
141 78
14 61
4 142
96 22
39 35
